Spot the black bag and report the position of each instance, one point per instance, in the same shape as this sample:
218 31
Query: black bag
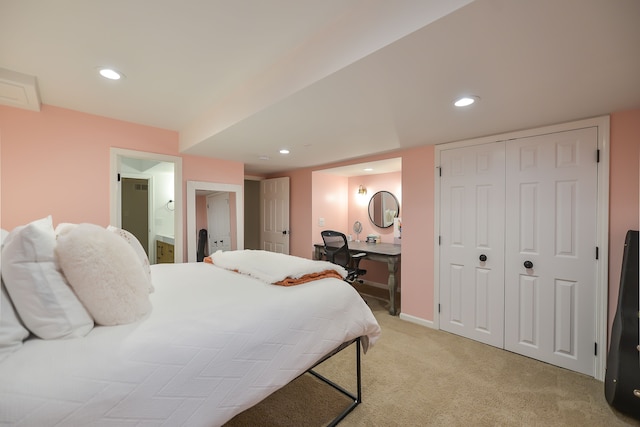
202 243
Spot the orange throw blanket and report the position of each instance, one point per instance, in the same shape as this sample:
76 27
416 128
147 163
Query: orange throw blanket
309 277
289 281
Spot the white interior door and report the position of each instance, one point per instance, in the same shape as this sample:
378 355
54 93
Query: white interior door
218 222
135 202
274 214
472 242
552 191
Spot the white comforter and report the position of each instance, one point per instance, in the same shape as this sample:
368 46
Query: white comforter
271 267
216 343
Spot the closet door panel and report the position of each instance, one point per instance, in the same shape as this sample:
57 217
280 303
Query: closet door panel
472 228
528 333
550 241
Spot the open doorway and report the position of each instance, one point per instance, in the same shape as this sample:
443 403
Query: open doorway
197 194
219 222
215 222
252 214
162 174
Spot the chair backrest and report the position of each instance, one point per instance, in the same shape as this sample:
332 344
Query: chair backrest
336 247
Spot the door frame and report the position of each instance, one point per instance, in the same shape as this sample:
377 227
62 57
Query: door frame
192 238
114 190
602 222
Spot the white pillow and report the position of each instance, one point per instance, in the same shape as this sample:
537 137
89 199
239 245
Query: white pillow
12 332
105 272
64 227
137 246
43 299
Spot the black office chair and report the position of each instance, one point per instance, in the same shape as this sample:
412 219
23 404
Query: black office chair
337 251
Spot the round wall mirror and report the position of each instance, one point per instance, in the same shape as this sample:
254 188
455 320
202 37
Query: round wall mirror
383 208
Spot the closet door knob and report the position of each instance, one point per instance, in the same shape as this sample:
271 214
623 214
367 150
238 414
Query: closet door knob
483 258
528 264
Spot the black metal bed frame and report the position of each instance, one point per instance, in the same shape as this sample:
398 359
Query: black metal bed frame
357 398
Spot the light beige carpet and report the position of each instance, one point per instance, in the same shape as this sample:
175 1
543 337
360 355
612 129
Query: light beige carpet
417 376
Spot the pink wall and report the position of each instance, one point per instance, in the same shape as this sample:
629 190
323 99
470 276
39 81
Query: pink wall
417 212
56 162
359 207
335 199
359 211
60 159
417 281
301 216
330 202
301 242
201 213
623 193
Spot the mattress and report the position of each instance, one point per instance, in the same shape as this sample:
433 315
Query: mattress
215 344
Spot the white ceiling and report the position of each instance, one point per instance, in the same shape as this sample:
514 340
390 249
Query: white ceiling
367 168
331 79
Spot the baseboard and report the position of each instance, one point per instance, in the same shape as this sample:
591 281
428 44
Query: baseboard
417 320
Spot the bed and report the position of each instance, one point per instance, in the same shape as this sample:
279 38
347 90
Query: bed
215 343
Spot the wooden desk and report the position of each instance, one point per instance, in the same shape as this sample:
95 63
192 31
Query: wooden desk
382 252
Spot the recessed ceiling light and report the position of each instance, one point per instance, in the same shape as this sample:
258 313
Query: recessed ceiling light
110 73
465 101
367 169
284 151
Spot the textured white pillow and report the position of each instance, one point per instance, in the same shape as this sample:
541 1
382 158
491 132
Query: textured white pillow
43 299
137 246
64 227
12 332
105 272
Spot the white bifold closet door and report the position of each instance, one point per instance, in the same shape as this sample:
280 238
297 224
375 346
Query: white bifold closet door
551 226
472 194
534 294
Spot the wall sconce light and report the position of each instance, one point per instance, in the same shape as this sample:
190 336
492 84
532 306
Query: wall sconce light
362 191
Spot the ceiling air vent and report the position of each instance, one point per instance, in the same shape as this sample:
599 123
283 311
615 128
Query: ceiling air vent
19 90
